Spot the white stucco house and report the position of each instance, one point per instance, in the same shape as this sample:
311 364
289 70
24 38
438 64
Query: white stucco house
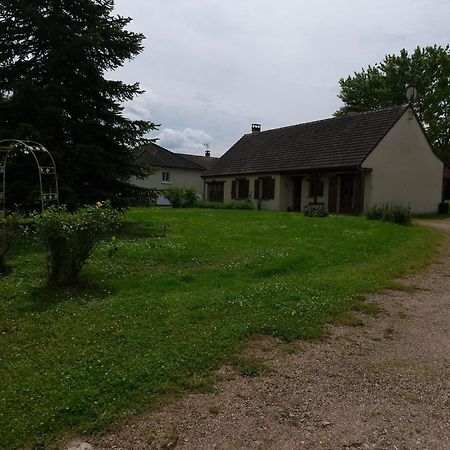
348 163
173 169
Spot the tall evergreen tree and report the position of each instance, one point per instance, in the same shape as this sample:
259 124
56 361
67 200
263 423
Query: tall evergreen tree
54 57
383 85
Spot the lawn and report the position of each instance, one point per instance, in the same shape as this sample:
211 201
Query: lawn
163 312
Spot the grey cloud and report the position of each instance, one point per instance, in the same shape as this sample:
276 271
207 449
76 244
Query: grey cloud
218 66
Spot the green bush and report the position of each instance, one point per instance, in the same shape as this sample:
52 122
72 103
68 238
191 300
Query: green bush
390 212
245 204
181 197
315 210
9 230
69 239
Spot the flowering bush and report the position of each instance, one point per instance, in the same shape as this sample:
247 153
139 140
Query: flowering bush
315 210
70 238
9 229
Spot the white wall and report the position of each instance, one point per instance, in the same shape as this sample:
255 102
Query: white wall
178 177
404 169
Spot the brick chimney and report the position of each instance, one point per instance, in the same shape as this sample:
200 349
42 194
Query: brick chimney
207 153
256 128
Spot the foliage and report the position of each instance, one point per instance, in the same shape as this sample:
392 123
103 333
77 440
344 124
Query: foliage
70 239
243 204
315 210
384 85
390 212
151 319
9 230
181 197
54 58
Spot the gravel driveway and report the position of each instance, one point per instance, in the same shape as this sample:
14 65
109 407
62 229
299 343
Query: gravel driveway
384 385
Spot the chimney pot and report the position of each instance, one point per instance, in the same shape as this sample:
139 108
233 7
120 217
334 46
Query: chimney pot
207 153
256 128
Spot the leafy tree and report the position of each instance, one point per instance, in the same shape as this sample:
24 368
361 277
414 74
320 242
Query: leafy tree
54 57
384 85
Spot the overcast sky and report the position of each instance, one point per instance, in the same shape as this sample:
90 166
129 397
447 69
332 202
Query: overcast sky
211 68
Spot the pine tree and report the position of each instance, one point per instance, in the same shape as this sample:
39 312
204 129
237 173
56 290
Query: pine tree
54 58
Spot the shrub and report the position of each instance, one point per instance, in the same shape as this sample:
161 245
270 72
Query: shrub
69 239
315 210
245 204
9 230
181 197
389 212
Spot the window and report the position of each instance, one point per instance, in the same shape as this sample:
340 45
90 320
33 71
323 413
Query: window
166 177
268 188
240 189
315 188
215 191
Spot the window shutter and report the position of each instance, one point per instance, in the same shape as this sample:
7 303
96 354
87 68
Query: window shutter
233 189
256 189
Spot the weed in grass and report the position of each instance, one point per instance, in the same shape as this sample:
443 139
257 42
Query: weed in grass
371 309
249 367
349 319
389 333
214 409
396 285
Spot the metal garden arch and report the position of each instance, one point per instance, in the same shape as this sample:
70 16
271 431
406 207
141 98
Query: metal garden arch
45 165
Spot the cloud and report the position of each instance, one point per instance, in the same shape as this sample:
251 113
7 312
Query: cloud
218 66
185 141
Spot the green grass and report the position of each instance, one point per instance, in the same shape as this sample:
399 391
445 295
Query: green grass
166 311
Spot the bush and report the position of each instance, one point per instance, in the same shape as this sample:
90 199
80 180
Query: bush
316 211
181 197
70 238
9 230
245 204
391 213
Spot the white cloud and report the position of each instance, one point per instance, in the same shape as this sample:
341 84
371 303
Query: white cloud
219 66
185 141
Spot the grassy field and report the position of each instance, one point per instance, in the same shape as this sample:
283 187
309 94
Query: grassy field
163 312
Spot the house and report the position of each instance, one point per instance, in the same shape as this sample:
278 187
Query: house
173 169
349 164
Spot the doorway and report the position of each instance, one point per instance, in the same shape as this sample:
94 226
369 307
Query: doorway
346 199
297 194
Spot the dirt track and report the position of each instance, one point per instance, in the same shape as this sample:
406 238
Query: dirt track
385 385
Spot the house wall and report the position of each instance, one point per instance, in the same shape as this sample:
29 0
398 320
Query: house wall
283 190
178 177
404 169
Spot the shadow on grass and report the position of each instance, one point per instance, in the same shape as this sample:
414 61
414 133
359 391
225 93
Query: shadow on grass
46 297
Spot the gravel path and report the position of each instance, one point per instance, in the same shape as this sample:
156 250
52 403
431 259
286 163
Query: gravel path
385 385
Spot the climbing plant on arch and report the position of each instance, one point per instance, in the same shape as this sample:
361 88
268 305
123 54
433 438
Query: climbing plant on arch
45 165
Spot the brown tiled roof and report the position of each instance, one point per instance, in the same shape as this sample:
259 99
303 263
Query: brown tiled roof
204 161
157 156
326 144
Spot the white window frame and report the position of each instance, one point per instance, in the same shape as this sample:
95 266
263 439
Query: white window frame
165 178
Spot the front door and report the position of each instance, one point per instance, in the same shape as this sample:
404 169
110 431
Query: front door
297 193
346 202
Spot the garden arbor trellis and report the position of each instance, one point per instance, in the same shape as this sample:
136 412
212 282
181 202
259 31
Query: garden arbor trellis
48 179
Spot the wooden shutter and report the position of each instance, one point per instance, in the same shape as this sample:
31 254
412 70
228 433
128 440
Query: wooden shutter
332 194
256 189
233 189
